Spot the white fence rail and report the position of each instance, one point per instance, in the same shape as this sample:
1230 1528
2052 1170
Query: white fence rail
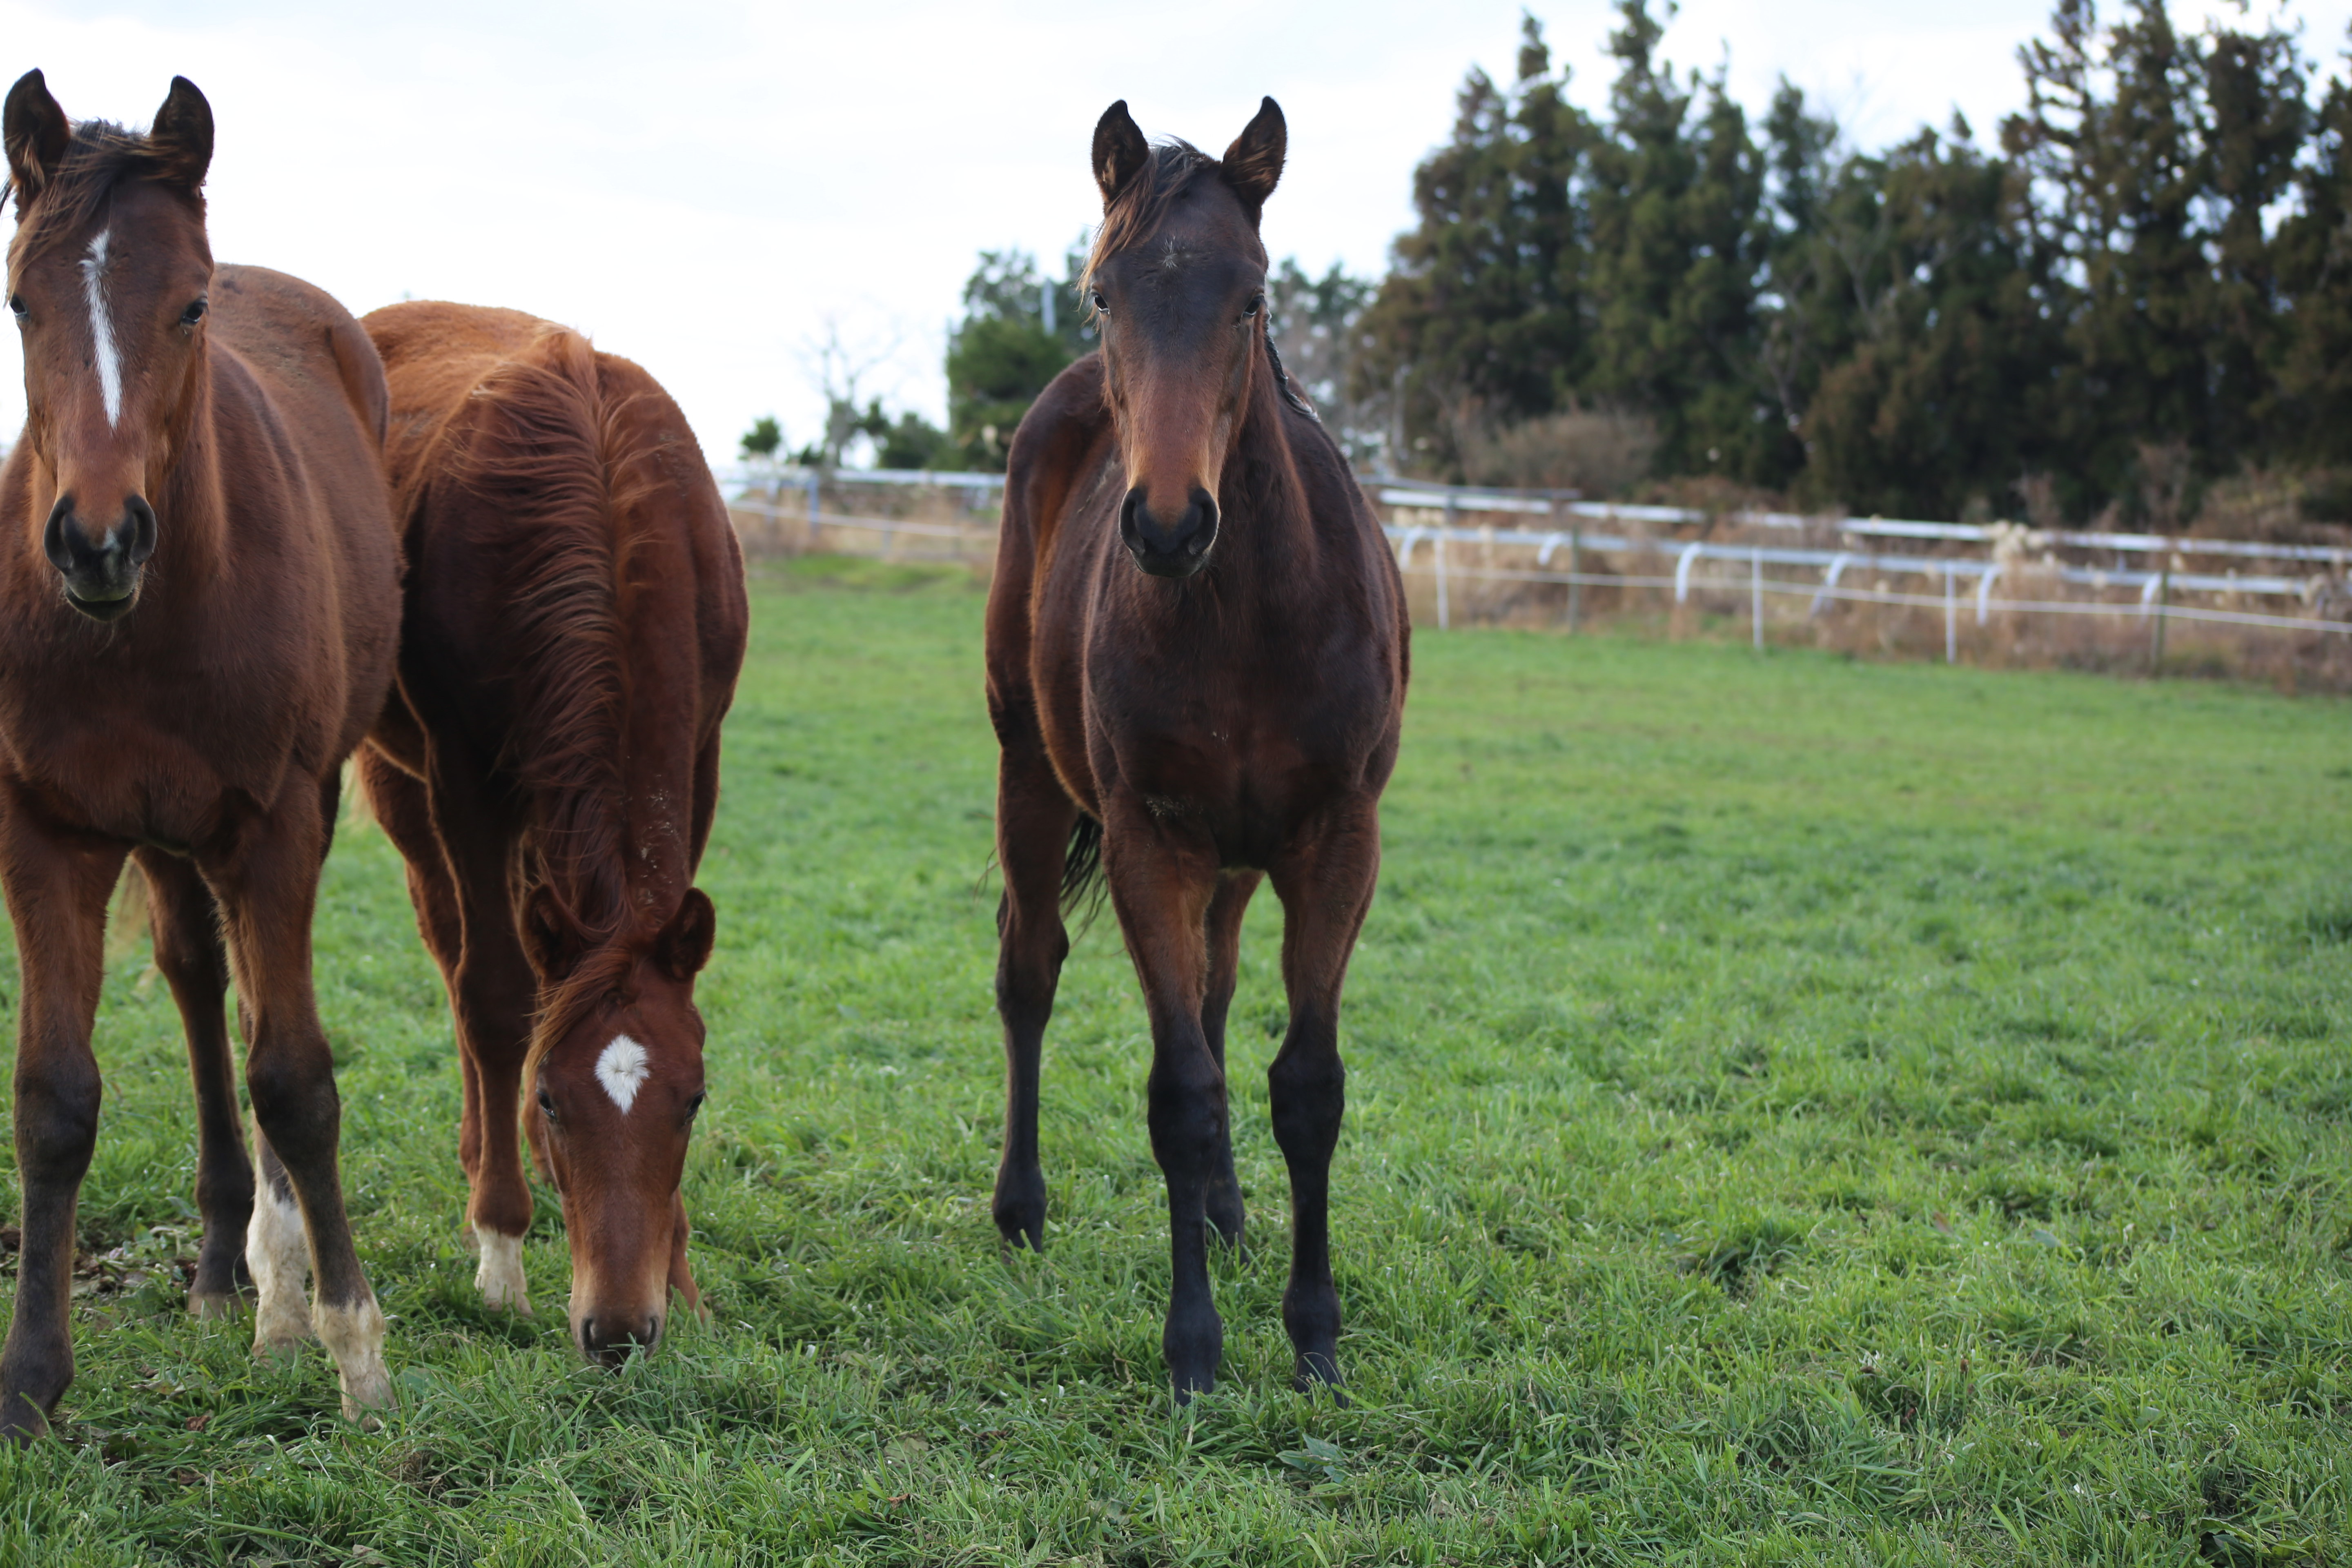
2308 602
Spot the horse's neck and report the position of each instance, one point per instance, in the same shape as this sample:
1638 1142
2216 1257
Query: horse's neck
195 531
1267 490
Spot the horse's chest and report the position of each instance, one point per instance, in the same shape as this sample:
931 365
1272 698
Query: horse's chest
163 764
1223 758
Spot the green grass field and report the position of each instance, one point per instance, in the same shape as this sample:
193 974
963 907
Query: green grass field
1800 1111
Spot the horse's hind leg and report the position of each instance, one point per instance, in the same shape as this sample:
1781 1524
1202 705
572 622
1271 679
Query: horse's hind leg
1033 818
1225 933
57 890
268 889
187 929
1324 881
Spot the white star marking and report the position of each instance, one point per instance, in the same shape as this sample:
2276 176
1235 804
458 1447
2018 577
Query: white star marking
621 1070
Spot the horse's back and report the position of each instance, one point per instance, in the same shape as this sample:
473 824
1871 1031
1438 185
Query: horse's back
314 362
434 353
522 457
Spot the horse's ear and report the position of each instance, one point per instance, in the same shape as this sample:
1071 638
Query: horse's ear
551 938
36 132
1120 150
683 945
182 137
1254 163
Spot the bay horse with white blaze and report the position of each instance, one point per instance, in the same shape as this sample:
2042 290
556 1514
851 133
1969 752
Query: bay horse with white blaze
199 604
549 767
1197 658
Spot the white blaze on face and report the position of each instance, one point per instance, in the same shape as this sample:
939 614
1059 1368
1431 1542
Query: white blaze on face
621 1070
101 328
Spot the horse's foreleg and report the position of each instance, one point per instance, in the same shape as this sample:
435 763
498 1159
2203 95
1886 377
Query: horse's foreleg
1224 936
187 929
266 885
1324 881
1161 886
1033 818
57 887
681 1277
491 993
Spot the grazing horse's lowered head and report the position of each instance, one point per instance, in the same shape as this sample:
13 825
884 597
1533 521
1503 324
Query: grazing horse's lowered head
1178 282
615 1081
108 279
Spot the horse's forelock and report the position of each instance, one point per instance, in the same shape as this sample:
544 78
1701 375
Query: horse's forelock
1138 209
99 159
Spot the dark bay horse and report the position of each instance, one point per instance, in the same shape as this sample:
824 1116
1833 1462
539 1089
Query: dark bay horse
1197 655
549 765
198 617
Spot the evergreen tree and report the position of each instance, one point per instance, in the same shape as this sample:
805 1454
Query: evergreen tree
1318 324
1005 350
1484 317
2313 258
1937 389
1677 246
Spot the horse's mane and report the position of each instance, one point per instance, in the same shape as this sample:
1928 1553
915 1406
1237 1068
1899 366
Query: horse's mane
1137 208
551 447
99 157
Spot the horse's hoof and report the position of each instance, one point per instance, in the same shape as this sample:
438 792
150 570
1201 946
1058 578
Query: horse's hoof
1318 1374
215 1306
353 1335
1184 1388
369 1392
281 1336
281 1327
500 1276
1020 1208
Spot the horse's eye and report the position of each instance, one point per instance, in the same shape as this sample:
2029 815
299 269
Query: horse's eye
1258 304
17 304
547 1105
193 313
1095 296
694 1106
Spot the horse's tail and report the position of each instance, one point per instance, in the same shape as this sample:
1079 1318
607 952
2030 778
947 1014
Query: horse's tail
1082 872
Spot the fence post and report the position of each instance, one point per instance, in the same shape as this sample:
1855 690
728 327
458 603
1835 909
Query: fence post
1575 571
2155 632
1755 597
1682 572
815 481
1951 616
1453 515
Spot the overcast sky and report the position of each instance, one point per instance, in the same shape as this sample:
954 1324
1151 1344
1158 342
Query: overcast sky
704 187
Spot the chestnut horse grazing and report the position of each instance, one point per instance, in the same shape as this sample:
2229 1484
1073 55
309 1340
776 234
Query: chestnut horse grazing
198 617
548 764
1196 668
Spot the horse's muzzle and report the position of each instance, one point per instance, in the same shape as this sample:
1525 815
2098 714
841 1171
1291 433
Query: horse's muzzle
100 570
608 1339
1175 549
